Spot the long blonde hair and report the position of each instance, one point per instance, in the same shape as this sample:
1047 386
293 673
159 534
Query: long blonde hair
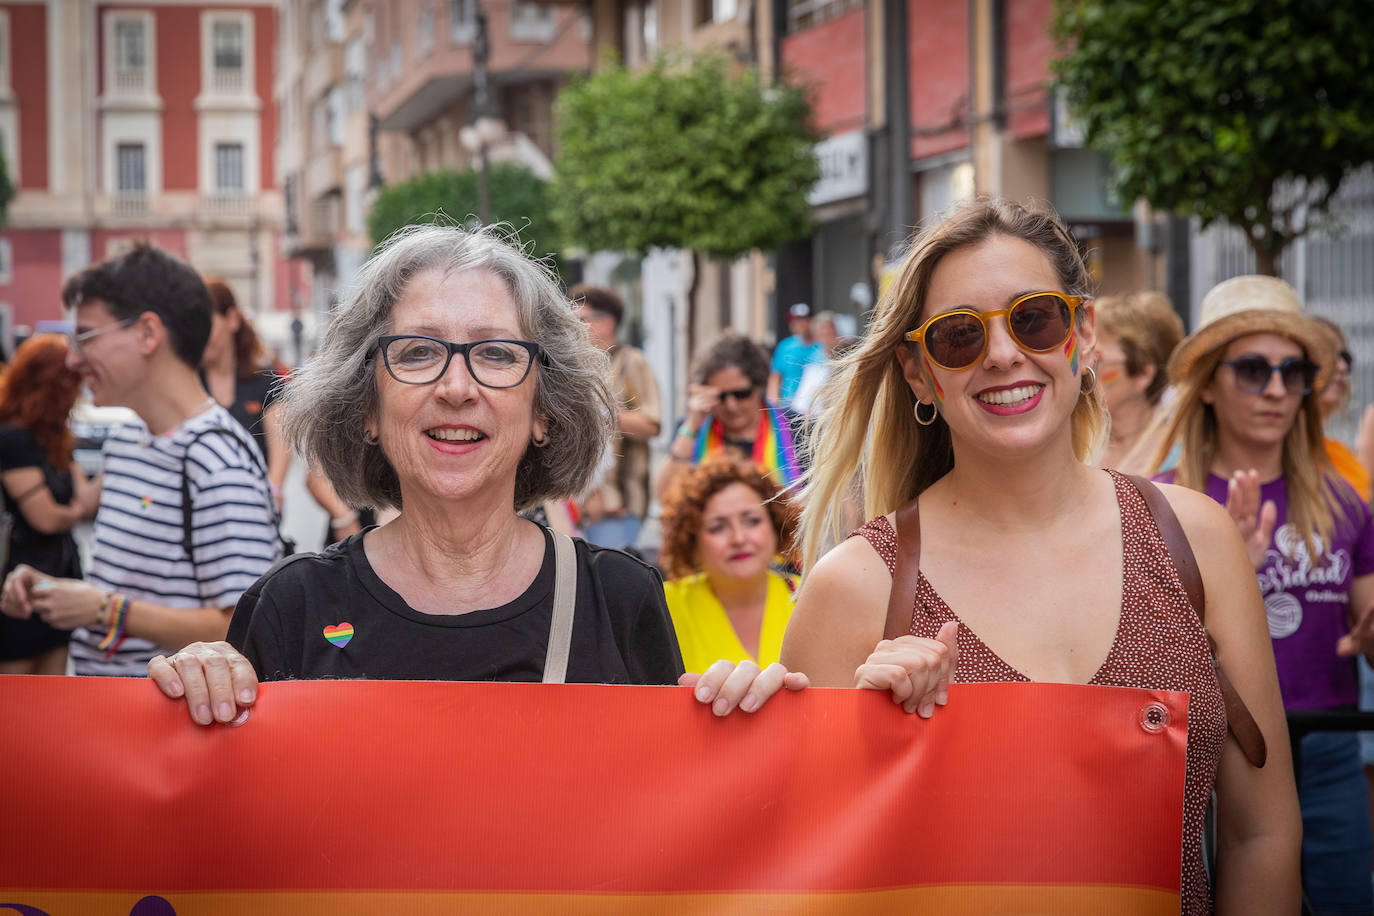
1315 492
868 435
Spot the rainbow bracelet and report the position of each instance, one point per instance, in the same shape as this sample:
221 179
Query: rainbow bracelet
114 635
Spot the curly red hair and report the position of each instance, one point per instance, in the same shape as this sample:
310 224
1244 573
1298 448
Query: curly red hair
686 501
37 392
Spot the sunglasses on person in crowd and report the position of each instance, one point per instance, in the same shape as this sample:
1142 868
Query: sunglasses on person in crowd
1253 373
413 359
1038 322
738 394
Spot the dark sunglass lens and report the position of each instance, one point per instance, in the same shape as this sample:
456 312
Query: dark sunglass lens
1347 358
1252 372
955 341
1040 323
739 394
1298 375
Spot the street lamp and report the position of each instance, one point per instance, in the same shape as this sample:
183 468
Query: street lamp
484 128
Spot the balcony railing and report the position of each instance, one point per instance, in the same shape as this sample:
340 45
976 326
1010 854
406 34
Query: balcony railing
129 203
227 203
130 81
227 81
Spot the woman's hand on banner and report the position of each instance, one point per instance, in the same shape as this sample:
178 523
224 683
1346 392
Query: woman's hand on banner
727 685
918 671
219 684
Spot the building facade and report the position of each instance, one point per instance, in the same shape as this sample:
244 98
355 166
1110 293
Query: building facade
123 121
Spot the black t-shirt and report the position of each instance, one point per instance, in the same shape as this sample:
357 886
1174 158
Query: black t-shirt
252 396
293 623
54 554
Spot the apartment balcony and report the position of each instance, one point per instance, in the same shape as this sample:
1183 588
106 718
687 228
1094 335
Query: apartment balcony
124 204
524 49
319 224
227 208
131 82
325 69
324 173
131 208
228 82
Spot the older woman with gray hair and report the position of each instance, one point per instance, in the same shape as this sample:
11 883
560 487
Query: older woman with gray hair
458 385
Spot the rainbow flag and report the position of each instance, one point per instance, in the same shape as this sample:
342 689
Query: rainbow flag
398 797
774 448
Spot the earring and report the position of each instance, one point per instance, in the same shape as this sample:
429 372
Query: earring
934 412
1091 375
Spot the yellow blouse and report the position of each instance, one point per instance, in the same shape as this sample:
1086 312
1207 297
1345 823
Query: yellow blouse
703 628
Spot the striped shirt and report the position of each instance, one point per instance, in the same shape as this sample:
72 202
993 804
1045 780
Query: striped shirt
136 545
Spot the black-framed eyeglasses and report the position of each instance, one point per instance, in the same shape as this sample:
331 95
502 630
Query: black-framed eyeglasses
1254 372
413 359
738 394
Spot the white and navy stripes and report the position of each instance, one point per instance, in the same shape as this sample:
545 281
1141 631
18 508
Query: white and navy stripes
136 545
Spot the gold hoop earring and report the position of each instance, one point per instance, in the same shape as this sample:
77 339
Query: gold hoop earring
1091 375
934 412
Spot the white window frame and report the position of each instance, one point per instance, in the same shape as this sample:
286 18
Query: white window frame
145 19
247 78
119 171
531 20
462 29
222 146
5 53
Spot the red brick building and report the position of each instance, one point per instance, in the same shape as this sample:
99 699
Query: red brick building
126 121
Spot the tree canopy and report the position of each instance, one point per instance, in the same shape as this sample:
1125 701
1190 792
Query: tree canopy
518 197
686 154
1224 109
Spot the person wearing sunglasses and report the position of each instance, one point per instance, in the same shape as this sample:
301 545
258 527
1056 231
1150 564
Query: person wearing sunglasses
458 385
728 416
964 420
1249 382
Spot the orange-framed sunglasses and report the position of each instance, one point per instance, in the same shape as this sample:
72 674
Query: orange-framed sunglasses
1038 322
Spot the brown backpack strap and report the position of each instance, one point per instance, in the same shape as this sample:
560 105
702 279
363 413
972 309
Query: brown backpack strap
1238 717
901 601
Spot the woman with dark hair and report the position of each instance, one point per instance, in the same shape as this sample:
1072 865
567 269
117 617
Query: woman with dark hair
45 492
232 372
724 528
728 416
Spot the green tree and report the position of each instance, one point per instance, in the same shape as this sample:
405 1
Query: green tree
1224 109
518 197
6 189
686 154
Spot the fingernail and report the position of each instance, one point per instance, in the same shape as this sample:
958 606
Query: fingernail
926 710
720 707
245 696
942 698
176 689
224 711
749 703
703 693
203 714
241 718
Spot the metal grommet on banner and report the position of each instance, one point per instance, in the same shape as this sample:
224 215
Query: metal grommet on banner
1154 717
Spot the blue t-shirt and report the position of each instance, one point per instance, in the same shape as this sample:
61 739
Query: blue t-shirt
790 359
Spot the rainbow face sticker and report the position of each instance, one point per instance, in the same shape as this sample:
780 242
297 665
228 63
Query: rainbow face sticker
1109 379
145 502
339 634
934 383
1071 351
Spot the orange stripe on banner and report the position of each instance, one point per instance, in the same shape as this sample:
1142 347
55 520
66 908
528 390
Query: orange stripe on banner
338 786
1012 900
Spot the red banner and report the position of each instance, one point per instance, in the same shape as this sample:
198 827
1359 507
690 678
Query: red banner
401 797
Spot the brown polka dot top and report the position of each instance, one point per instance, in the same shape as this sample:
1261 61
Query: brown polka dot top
1160 644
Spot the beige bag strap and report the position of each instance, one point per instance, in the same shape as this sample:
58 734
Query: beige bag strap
1238 717
564 598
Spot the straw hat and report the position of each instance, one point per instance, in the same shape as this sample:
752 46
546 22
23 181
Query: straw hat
1253 305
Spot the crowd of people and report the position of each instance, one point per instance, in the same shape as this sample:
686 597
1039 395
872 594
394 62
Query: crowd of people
1001 479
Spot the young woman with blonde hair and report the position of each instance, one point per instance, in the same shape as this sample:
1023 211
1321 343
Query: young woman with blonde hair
965 417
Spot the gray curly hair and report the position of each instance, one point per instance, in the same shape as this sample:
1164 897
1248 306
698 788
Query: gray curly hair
328 401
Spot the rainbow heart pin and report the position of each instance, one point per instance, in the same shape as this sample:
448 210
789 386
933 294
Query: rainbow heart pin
339 634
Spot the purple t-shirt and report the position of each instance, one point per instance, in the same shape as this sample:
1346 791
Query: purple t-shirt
1308 601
